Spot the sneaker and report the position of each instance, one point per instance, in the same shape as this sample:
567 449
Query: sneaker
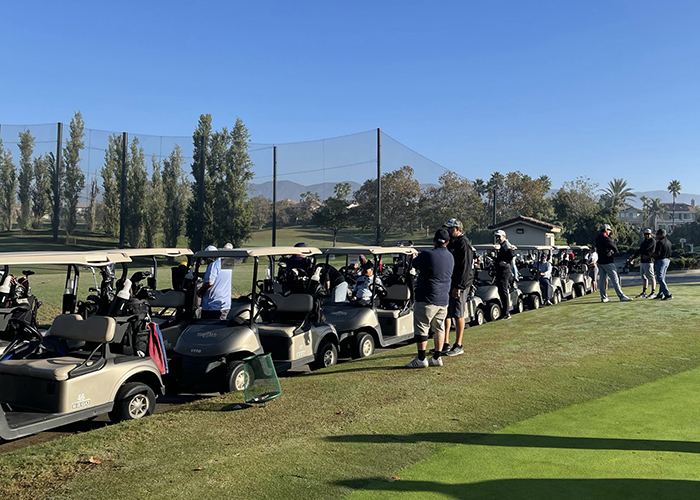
548 303
507 316
417 363
445 348
605 300
455 351
659 297
435 362
651 295
668 297
625 298
640 296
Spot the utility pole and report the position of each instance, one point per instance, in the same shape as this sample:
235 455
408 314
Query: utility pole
122 194
379 185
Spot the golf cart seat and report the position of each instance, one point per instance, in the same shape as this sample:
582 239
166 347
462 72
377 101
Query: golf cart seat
97 329
399 294
292 309
169 299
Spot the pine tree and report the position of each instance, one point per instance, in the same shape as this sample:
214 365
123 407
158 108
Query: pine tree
111 186
41 202
26 175
155 204
176 191
91 212
8 186
135 195
205 220
74 179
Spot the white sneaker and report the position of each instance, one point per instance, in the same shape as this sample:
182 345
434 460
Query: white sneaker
435 362
605 300
417 363
625 298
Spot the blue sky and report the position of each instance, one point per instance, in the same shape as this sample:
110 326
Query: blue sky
599 88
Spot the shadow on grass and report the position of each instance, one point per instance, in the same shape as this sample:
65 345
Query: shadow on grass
543 489
525 441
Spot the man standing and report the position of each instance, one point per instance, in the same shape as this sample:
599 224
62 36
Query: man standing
432 296
216 289
606 266
662 257
545 278
646 263
460 287
504 257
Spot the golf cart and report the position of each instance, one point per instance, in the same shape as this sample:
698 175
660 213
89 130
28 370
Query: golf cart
583 284
487 291
562 285
281 318
529 278
388 317
43 388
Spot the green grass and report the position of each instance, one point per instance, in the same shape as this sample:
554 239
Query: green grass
643 443
298 447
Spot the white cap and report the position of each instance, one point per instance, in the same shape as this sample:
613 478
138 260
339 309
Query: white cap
210 248
500 232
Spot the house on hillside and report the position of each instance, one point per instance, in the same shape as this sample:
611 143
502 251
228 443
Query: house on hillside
631 215
684 214
528 231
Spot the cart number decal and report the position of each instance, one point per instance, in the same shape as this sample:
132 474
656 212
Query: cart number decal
81 403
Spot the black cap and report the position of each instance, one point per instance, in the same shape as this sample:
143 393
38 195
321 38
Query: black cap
441 236
662 232
368 265
301 244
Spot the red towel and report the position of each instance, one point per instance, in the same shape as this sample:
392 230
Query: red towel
155 350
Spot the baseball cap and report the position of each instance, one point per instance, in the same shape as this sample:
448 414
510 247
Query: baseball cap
301 244
500 232
605 227
647 231
210 248
454 223
442 236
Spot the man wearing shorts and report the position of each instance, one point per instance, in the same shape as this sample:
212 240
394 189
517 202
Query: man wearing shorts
646 263
462 278
432 296
593 268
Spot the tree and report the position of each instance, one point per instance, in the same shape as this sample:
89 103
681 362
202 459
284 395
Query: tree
74 179
675 189
55 181
287 211
8 186
454 197
41 202
154 206
656 209
262 211
400 197
135 200
308 204
111 186
335 214
617 193
91 211
175 195
523 195
575 206
203 221
26 175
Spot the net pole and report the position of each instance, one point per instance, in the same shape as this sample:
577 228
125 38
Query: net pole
57 183
379 185
200 196
274 196
122 194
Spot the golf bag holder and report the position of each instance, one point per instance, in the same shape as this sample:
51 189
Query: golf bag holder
262 382
131 335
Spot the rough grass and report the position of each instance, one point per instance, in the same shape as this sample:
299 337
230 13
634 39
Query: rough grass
535 363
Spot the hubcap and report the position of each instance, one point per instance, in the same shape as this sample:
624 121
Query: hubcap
366 347
328 358
241 381
138 406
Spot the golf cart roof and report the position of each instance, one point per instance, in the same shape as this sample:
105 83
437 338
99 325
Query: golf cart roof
580 247
148 252
561 247
369 250
535 247
256 252
63 258
487 246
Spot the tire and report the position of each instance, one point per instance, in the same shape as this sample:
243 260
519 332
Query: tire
578 291
535 302
134 400
326 356
364 346
479 317
520 307
236 379
493 311
557 297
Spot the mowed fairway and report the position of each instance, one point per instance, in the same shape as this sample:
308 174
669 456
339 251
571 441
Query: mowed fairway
337 430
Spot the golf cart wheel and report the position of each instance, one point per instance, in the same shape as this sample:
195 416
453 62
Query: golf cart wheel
557 297
326 356
520 307
236 379
534 302
494 311
578 291
364 346
479 317
134 400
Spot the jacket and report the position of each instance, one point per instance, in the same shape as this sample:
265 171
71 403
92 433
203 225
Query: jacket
504 257
463 273
646 251
606 249
663 249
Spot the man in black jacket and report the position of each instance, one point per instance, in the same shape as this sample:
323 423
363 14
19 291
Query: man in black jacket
662 258
646 263
461 285
504 276
606 265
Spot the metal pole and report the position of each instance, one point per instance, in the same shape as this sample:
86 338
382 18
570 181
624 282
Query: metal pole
274 196
57 183
122 194
379 185
200 195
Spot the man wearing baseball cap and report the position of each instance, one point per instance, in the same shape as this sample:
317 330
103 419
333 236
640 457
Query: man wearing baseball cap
606 264
662 258
504 275
646 266
432 296
462 278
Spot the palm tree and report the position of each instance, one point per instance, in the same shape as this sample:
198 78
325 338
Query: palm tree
656 210
675 189
645 209
618 192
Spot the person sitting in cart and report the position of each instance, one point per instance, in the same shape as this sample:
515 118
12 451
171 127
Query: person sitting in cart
298 261
362 293
544 275
216 289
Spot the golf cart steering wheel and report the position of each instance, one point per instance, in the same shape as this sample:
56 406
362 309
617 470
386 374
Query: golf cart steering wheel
24 331
381 291
265 302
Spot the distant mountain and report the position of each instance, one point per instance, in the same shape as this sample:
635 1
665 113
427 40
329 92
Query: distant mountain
293 191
